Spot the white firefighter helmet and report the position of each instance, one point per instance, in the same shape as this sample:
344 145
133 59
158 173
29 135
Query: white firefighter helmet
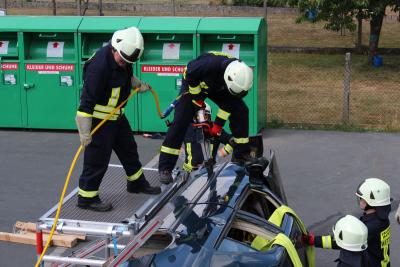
208 109
375 192
128 43
238 77
351 233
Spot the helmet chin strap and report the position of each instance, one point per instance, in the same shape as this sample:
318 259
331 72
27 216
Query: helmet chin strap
368 209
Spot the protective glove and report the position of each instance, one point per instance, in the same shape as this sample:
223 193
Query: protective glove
308 239
143 86
84 127
397 216
215 130
225 151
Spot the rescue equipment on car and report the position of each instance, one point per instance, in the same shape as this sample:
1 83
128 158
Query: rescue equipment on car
276 218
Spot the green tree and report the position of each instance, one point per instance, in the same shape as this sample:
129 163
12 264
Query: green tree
342 14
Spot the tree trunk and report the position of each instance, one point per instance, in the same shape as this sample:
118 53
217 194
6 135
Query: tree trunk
375 31
78 7
359 30
54 8
101 8
173 8
265 9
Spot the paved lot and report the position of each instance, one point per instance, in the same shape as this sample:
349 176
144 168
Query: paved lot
320 172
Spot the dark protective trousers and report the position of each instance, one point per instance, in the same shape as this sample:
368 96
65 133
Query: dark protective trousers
113 135
184 112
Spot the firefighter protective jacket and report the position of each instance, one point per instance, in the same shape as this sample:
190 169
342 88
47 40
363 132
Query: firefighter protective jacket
105 85
205 75
378 240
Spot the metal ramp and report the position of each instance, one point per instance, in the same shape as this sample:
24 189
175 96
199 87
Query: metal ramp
133 221
113 189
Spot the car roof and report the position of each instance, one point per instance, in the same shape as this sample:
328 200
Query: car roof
203 210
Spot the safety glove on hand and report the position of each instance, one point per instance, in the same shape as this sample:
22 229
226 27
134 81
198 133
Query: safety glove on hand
215 130
227 149
84 127
143 86
308 239
397 216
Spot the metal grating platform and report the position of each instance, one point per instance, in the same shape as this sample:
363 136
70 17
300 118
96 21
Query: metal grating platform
113 189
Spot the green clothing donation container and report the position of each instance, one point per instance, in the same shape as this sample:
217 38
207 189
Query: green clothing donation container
96 32
10 76
50 71
170 43
246 39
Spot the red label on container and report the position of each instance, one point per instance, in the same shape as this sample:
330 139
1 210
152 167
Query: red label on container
9 66
49 67
162 69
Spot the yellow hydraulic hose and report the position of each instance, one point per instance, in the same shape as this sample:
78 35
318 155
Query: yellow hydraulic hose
74 163
157 102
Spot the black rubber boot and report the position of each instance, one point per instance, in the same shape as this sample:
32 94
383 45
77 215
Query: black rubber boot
94 204
243 159
165 177
141 185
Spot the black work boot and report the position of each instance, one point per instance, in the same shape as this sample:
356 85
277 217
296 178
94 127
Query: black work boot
165 176
94 204
243 159
141 185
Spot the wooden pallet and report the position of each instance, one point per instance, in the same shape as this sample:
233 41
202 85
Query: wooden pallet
25 234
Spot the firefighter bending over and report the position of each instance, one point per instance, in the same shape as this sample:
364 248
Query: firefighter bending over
223 79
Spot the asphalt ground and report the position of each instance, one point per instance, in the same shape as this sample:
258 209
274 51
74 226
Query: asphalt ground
320 172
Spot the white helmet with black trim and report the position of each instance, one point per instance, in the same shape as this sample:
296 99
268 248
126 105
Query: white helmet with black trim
375 192
128 43
351 233
238 77
208 109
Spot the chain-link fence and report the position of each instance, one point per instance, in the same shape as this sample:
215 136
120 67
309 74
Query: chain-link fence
311 89
303 87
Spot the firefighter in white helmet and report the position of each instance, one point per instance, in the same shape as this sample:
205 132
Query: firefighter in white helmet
107 81
225 80
350 236
374 199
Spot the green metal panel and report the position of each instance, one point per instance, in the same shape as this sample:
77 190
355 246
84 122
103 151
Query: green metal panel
95 32
36 46
170 43
10 80
107 24
230 25
244 38
51 104
262 60
46 23
168 25
50 58
10 92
